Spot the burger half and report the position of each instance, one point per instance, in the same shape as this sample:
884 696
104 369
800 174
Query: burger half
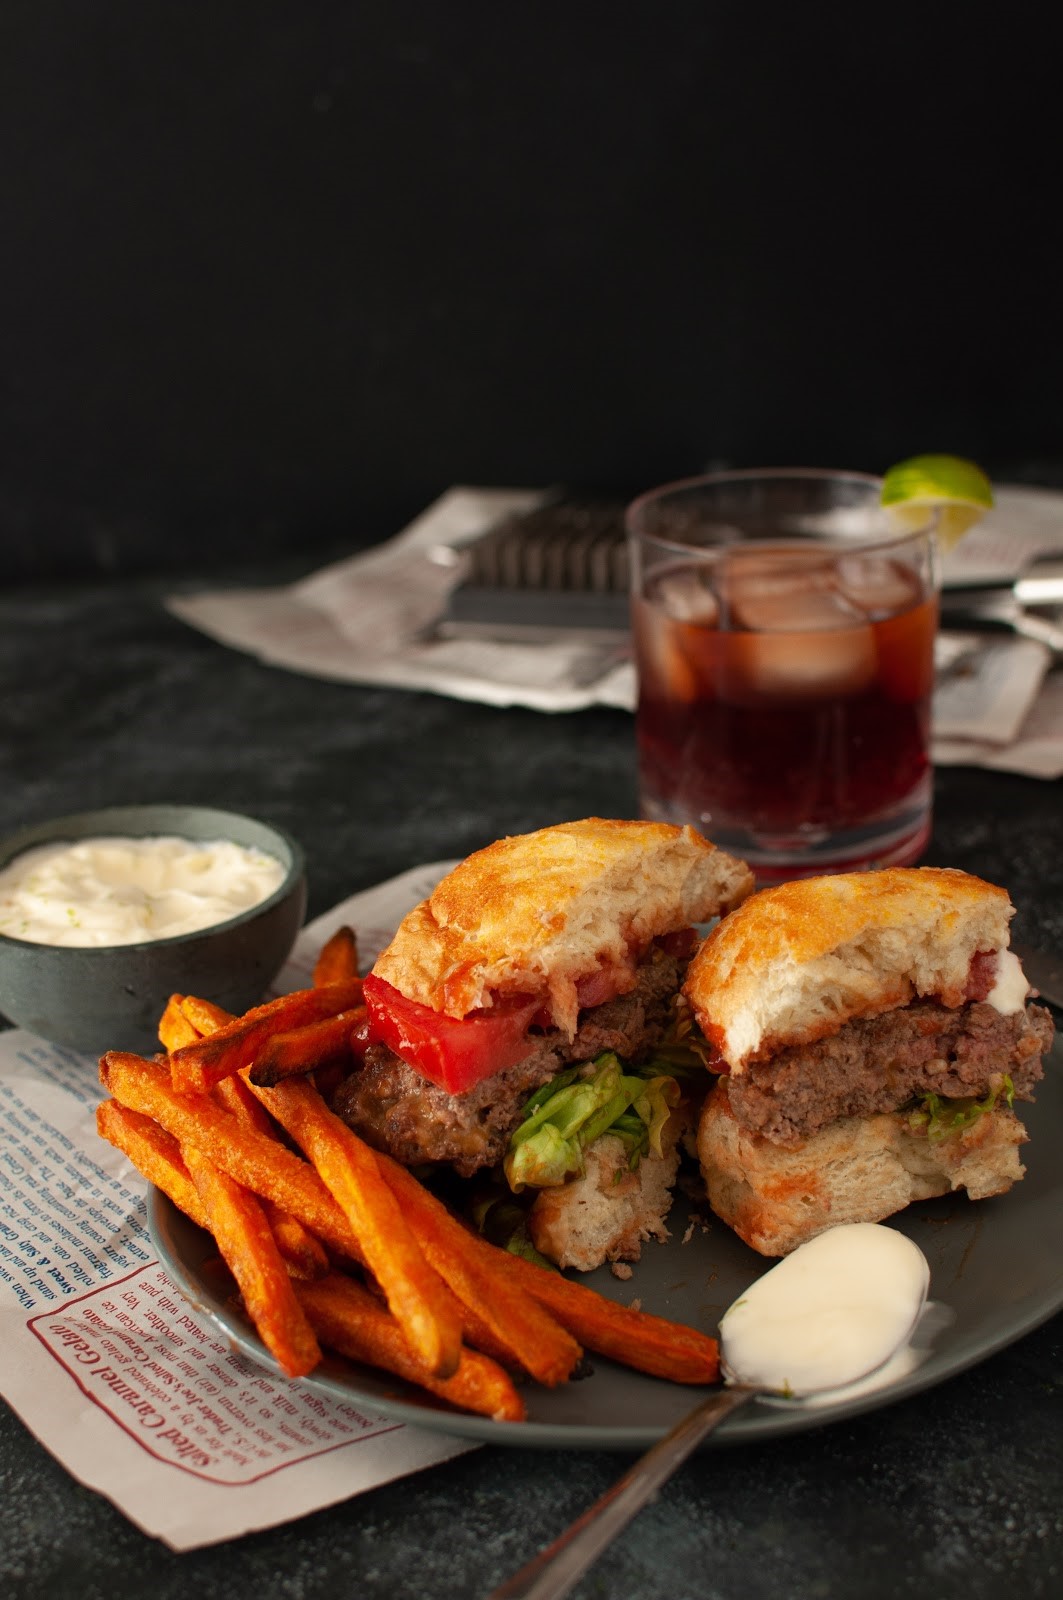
516 1019
872 1033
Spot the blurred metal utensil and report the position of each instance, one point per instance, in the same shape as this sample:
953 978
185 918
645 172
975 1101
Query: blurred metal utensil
557 1569
1009 605
556 571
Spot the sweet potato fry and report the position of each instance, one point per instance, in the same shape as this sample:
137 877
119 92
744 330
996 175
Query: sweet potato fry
231 1092
154 1153
348 1319
246 1242
157 1156
471 1267
288 1055
337 959
350 1172
175 1029
257 1160
306 1256
204 1015
234 1094
635 1338
197 1066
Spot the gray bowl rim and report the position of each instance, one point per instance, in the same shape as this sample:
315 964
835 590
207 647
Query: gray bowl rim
51 830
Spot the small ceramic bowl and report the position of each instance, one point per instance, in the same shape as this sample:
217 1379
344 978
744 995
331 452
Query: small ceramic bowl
111 997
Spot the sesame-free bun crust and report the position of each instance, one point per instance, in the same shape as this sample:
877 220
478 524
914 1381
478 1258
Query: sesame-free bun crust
534 913
859 1169
797 961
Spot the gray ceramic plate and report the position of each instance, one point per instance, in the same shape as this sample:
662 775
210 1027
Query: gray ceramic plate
995 1264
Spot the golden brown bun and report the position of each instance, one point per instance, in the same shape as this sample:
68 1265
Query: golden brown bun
609 1212
860 1169
796 961
534 913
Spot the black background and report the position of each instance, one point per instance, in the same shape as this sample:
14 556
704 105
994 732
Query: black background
274 275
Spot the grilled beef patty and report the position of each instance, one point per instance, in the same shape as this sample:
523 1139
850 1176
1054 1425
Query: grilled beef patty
395 1109
875 1064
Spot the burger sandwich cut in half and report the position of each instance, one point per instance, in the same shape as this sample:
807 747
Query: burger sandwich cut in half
516 1020
872 1035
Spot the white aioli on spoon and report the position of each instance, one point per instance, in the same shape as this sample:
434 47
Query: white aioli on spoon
830 1321
836 1310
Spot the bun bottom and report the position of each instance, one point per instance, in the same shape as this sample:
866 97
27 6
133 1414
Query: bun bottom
609 1212
859 1169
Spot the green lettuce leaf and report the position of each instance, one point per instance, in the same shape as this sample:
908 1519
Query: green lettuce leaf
942 1117
568 1114
543 1160
684 1050
654 1106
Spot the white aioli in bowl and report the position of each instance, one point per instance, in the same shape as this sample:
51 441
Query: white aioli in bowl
837 1308
111 890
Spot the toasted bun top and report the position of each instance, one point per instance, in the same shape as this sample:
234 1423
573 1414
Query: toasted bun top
797 961
535 913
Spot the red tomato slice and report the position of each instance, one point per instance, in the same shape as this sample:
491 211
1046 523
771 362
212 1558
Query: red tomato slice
981 974
605 984
454 1053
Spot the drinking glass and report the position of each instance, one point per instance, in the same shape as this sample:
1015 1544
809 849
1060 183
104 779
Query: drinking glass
784 641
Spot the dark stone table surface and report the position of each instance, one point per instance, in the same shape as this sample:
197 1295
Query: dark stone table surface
957 1493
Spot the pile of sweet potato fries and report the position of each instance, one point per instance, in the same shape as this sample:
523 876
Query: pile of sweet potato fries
339 1245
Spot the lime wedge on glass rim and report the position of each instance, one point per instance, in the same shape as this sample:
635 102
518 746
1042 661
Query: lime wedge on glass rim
957 489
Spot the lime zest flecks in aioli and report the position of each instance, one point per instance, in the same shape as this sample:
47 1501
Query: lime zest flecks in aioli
113 890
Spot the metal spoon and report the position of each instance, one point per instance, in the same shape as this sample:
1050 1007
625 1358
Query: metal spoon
995 605
557 1569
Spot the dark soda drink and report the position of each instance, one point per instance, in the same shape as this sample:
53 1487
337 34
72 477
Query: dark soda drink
784 703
